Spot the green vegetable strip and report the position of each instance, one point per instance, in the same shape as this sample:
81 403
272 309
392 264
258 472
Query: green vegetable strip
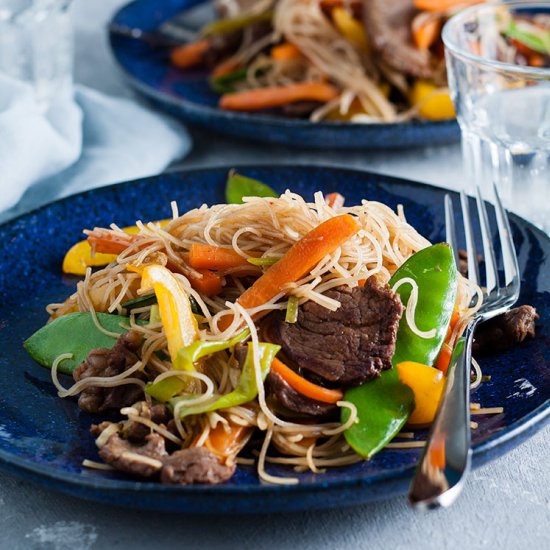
225 84
225 26
292 309
169 387
246 390
531 36
263 262
140 301
238 187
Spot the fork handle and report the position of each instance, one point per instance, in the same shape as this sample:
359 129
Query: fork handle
440 474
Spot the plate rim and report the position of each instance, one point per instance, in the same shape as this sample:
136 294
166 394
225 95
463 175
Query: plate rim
193 109
495 446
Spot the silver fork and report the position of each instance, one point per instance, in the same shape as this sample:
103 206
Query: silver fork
442 469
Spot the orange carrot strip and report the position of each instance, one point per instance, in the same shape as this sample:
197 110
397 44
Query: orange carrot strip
189 55
455 317
218 258
285 52
303 386
209 284
227 441
443 5
444 358
267 98
426 30
300 259
335 200
437 453
225 67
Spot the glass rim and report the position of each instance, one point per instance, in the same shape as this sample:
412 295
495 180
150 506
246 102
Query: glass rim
453 47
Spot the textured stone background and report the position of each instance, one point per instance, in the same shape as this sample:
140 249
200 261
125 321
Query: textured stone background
505 505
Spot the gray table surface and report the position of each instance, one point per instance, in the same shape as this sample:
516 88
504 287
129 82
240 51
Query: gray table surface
505 504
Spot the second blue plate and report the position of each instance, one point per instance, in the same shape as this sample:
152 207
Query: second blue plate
188 95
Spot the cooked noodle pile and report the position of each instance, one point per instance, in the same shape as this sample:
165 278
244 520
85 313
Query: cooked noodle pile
269 226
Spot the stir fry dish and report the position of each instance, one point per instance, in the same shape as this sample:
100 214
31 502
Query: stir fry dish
267 330
364 61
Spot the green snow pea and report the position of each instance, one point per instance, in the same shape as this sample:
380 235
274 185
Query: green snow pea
74 333
245 391
384 404
240 186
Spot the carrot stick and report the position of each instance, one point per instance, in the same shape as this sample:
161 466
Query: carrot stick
444 358
285 52
205 256
189 55
299 260
225 67
267 98
303 386
227 441
443 5
426 29
335 200
209 284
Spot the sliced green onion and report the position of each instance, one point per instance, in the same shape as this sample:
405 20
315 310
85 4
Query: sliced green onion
263 262
531 36
292 309
225 26
140 301
154 315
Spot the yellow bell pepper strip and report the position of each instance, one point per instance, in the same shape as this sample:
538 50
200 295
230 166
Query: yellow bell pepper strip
180 325
246 389
433 103
427 384
186 359
349 27
79 257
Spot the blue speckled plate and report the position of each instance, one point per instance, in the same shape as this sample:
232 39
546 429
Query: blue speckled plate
45 439
188 95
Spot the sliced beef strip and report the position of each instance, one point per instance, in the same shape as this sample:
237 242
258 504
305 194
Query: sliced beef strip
290 403
136 431
194 465
350 345
388 25
107 363
505 331
140 460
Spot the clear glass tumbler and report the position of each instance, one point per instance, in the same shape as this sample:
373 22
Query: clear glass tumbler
36 46
498 63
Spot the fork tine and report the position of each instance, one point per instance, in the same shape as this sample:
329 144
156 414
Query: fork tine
509 256
450 230
491 273
473 270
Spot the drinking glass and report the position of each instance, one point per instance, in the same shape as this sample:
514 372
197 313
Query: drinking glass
36 46
503 102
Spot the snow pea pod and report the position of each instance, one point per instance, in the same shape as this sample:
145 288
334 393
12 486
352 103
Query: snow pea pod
384 404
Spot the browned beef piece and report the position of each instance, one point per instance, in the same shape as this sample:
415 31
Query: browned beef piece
140 460
388 24
194 465
291 403
136 431
110 362
350 345
505 331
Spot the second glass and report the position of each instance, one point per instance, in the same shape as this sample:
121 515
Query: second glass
503 101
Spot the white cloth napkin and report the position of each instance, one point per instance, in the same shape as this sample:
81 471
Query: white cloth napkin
81 142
